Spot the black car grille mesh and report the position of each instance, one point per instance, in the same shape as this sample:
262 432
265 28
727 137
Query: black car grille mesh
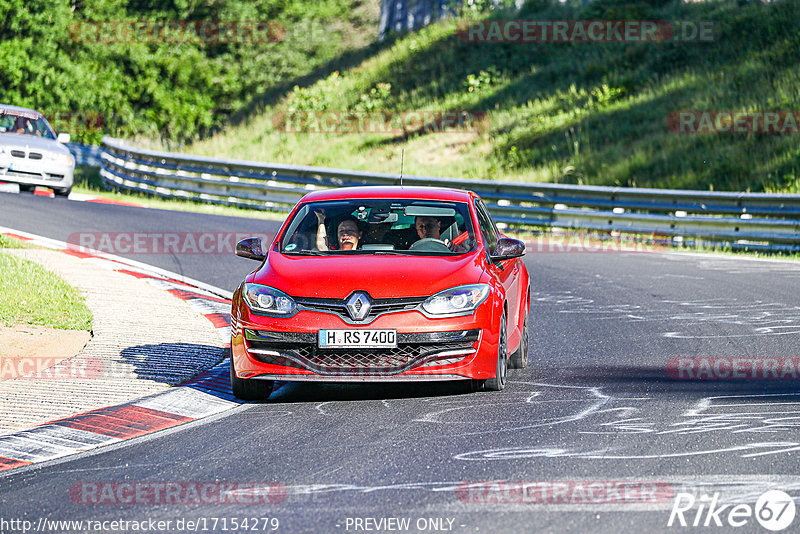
301 351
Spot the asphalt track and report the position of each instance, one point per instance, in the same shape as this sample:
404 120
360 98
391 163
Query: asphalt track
597 404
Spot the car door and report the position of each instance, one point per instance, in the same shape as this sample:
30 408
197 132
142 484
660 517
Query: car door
506 272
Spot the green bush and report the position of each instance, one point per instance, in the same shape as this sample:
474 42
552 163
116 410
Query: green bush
50 62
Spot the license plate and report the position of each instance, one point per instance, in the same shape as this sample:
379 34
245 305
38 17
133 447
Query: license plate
367 339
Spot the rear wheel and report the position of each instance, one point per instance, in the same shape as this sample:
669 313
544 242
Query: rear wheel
498 383
519 360
249 389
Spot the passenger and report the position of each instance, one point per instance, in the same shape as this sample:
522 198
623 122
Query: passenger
348 233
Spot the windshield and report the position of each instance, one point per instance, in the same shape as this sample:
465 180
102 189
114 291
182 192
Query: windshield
20 122
380 227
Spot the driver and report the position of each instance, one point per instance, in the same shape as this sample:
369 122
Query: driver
431 228
428 227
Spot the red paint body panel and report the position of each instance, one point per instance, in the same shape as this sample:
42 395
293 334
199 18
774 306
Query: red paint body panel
380 276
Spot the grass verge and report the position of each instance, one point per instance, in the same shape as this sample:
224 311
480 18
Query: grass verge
34 295
12 242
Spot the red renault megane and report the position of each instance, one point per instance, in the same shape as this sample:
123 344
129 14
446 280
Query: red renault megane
381 284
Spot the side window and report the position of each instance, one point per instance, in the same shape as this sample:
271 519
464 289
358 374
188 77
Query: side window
488 229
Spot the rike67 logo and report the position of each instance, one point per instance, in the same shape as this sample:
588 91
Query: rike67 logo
774 510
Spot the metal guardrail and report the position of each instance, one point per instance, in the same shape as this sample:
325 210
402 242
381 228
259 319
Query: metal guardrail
85 154
765 219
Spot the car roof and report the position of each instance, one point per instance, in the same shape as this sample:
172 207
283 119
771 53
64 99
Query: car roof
9 107
390 192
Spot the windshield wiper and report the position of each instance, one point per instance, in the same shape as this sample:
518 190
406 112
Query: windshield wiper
307 253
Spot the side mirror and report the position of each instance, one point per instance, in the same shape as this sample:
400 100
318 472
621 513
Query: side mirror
507 249
250 248
63 138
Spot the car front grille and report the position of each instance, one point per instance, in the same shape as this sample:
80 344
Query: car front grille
379 307
18 153
34 155
300 351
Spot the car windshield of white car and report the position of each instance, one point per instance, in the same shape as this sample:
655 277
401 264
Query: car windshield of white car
19 122
380 227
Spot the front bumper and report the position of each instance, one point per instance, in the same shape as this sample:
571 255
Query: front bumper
36 172
453 348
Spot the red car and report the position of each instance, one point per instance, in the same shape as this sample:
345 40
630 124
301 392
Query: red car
381 284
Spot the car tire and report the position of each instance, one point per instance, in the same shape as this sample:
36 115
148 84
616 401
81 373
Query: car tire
498 383
26 188
519 360
252 389
62 192
473 385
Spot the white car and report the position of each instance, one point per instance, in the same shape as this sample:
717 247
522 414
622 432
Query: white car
31 153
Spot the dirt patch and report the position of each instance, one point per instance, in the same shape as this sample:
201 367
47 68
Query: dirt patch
29 348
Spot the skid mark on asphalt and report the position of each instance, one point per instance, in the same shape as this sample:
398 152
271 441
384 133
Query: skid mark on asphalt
742 416
593 400
739 266
741 318
518 453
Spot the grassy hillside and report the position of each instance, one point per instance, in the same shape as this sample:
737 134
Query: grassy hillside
584 113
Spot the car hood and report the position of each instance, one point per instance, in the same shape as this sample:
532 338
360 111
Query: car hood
12 140
380 276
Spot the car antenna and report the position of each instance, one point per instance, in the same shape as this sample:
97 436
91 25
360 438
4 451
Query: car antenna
402 160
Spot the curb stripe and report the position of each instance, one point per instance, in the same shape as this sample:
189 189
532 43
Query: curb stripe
219 320
124 422
77 253
206 394
10 463
186 295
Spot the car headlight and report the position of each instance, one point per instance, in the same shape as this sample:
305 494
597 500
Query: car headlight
456 299
63 159
267 299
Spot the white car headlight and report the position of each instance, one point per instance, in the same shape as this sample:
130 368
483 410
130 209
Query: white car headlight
456 300
267 299
63 159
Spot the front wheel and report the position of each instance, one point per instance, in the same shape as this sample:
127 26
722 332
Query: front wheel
498 383
62 192
519 360
249 389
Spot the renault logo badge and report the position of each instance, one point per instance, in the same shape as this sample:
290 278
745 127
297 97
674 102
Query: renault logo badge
358 305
